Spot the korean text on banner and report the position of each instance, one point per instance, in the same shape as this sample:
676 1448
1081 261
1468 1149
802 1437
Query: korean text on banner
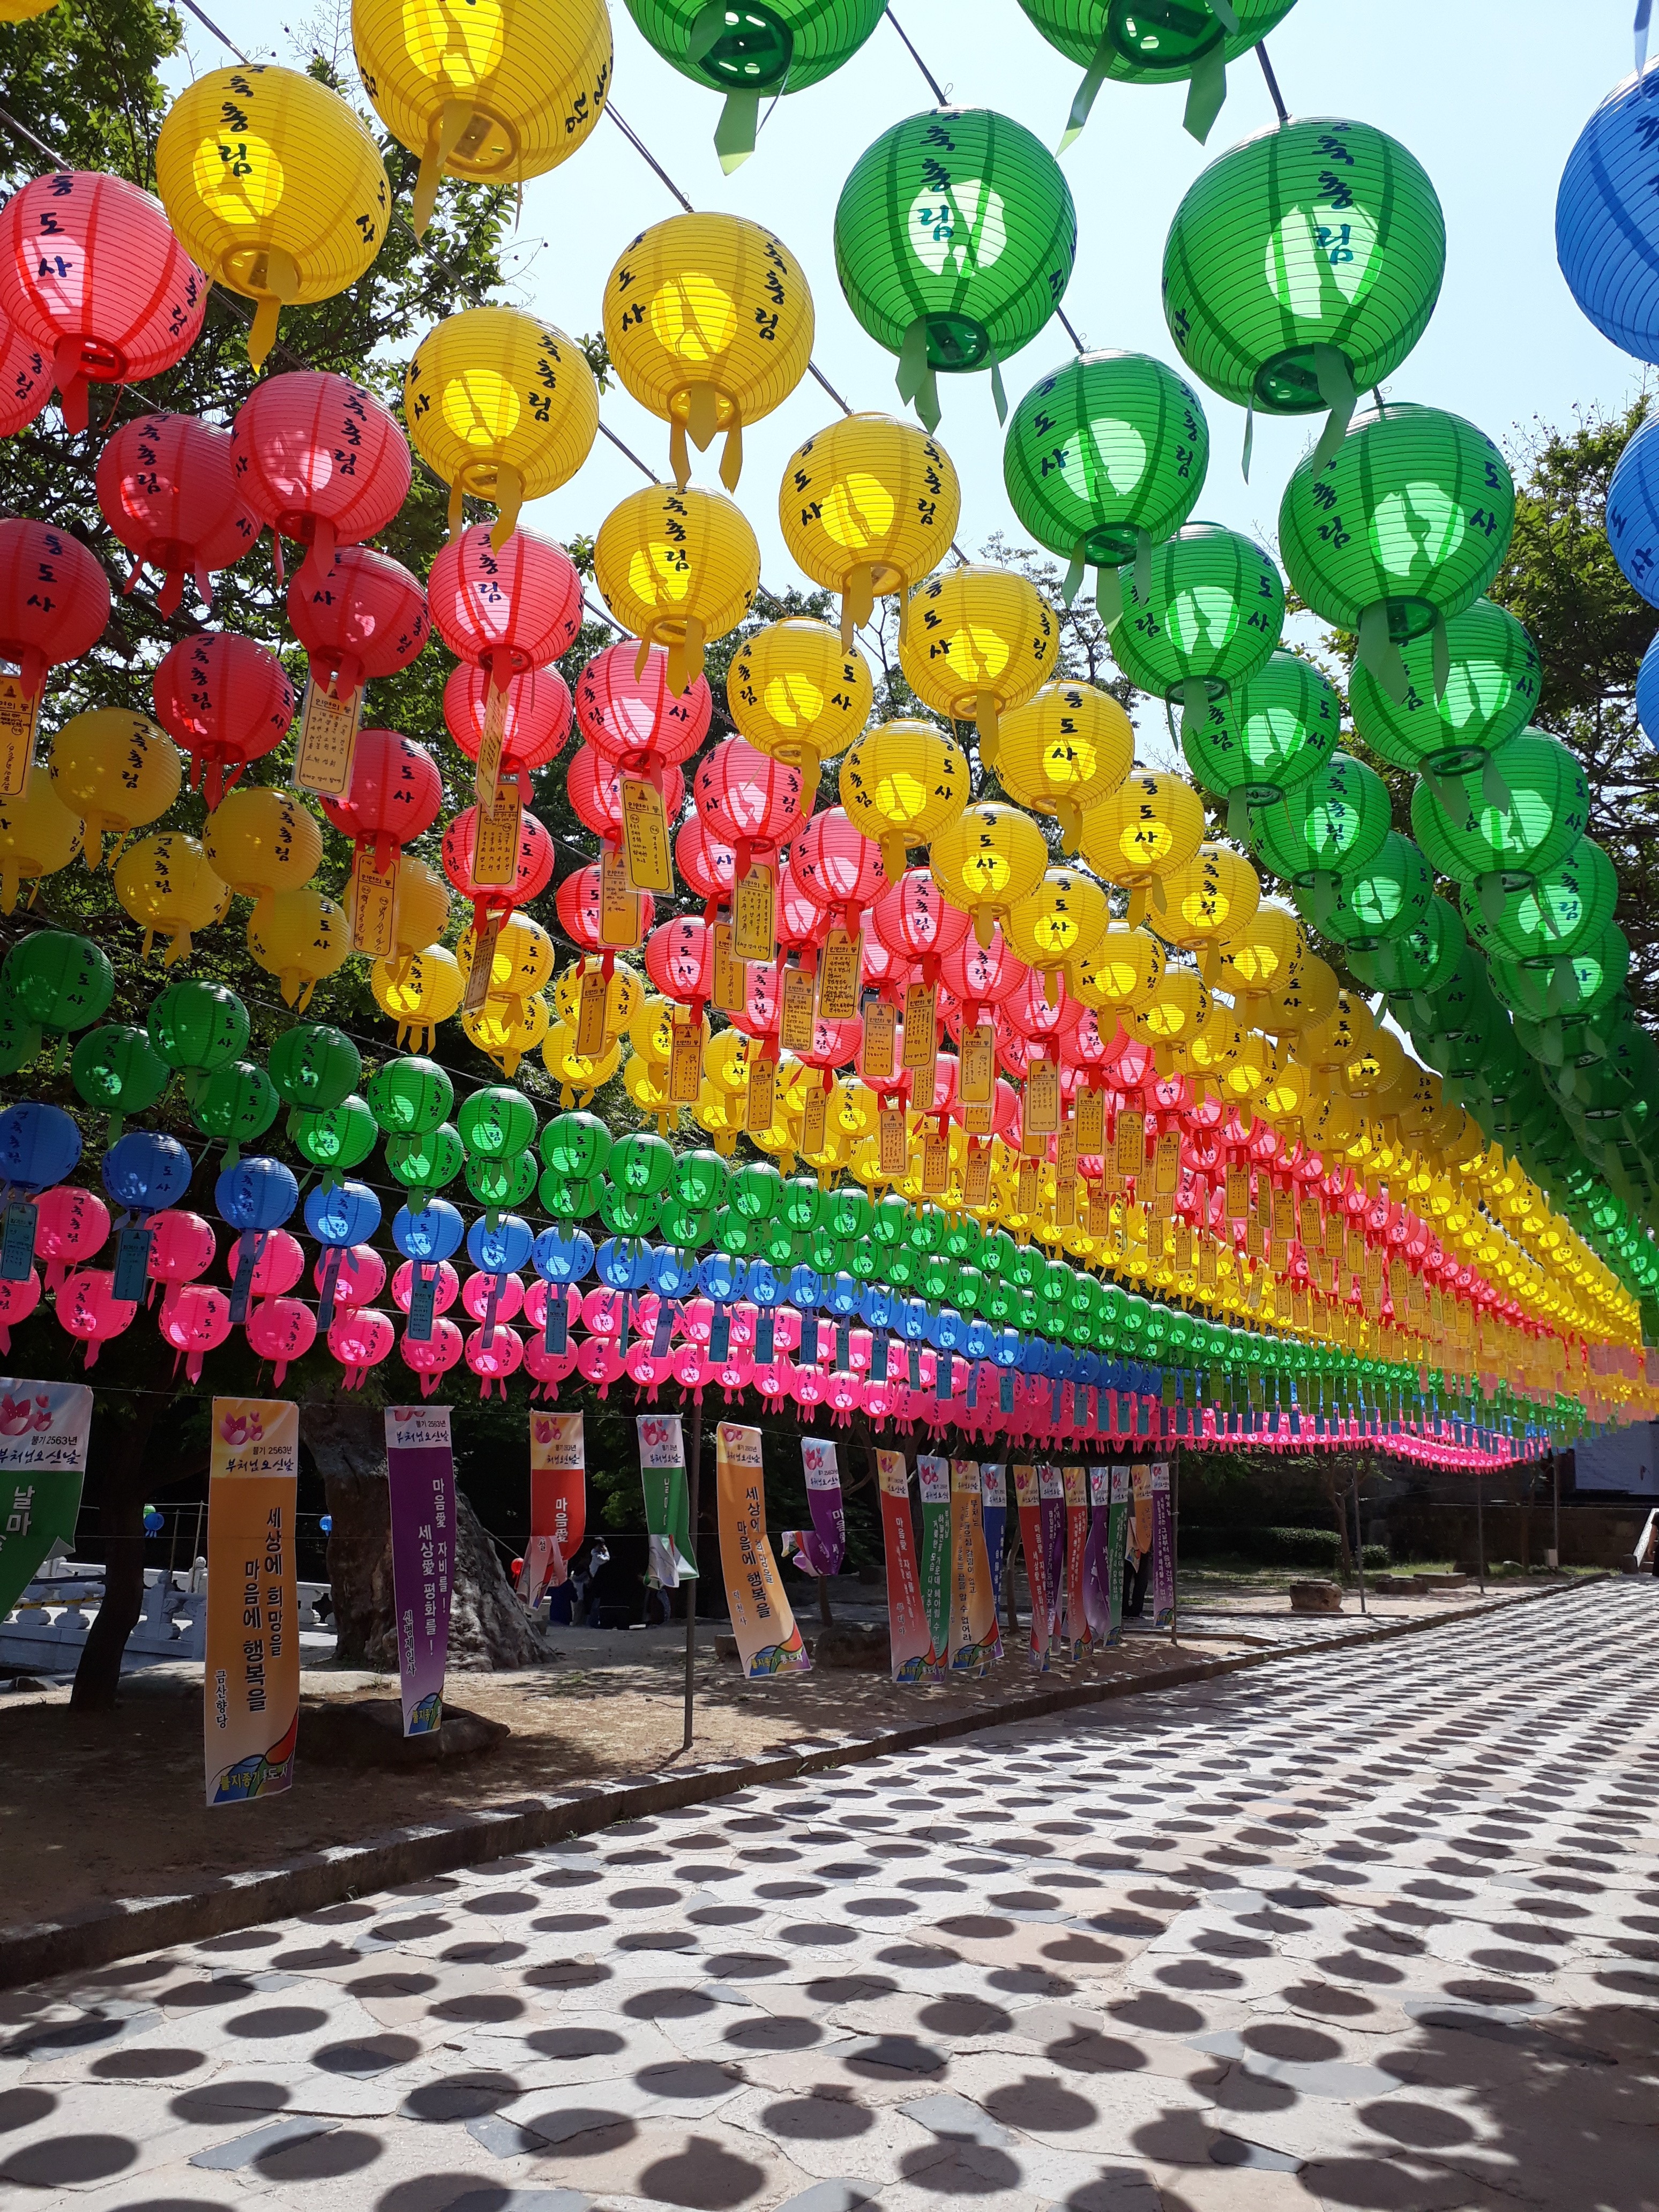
558 1499
1051 1491
1074 1619
820 1549
975 1642
44 1428
667 1508
251 1712
1027 1499
420 1465
993 1491
768 1642
907 1616
1096 1568
1117 1531
1163 1547
933 1477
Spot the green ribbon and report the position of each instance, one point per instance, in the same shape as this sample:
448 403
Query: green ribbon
997 392
1380 654
1205 94
734 134
1250 441
916 381
1084 98
1195 703
1068 589
1109 596
1496 792
1336 388
1238 813
1144 564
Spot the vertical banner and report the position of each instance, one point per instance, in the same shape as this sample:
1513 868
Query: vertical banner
1117 1529
975 1642
1163 1547
251 1712
1138 1539
44 1428
1096 1564
667 1503
1027 1499
558 1501
934 1477
994 1496
820 1549
907 1616
768 1642
1075 1620
420 1467
1051 1491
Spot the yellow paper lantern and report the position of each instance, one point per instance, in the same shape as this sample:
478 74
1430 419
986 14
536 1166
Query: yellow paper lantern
260 842
1261 954
708 323
1286 1096
678 569
624 994
1208 901
1216 1045
651 1030
505 1030
725 1062
418 991
1377 1075
976 642
1343 1036
1067 750
38 836
522 963
494 91
501 407
577 1074
989 859
1306 996
868 507
1121 971
1056 926
1177 1010
903 784
167 885
799 695
647 1085
117 770
421 912
1331 1123
1257 1061
300 937
1154 825
273 186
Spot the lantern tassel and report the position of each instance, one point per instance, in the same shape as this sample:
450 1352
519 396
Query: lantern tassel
1440 649
1068 589
997 392
1643 13
1109 596
1195 705
1206 93
262 335
454 119
985 716
71 378
509 498
679 459
455 513
858 601
917 384
1380 654
1336 388
1084 99
734 134
1144 564
1249 441
732 454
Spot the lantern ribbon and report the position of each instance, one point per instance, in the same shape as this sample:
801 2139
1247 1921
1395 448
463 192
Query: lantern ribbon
1644 14
1380 654
1207 91
1336 388
1109 596
441 143
916 380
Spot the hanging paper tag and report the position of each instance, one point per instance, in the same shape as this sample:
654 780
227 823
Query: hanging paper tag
488 775
979 1066
761 1105
241 1288
728 981
423 1303
878 1357
840 970
1238 1195
327 1287
1030 1187
1181 1250
328 741
132 1261
619 906
976 1179
795 1023
880 1026
555 1330
753 916
645 836
495 849
814 1117
916 1367
19 719
1100 1213
935 1165
921 1034
766 1349
843 1346
374 902
979 1120
590 1014
893 1153
1066 1204
1041 1097
1131 1141
1088 1118
685 1064
17 1244
1166 1161
1066 1152
483 965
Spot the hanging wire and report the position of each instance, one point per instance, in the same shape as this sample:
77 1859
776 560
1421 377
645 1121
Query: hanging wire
206 21
1272 82
934 84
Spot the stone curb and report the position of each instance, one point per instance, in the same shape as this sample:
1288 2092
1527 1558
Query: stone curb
100 1936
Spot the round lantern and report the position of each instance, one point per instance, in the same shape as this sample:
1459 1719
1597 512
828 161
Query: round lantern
395 796
225 701
1121 970
360 1338
362 615
91 273
628 714
57 981
837 868
1266 737
89 1308
300 937
1331 824
902 784
236 1103
1159 45
197 1027
117 771
1607 229
274 185
314 1066
497 97
1103 460
532 869
321 460
955 238
579 902
410 1096
521 964
867 508
1202 617
39 1145
535 717
115 1071
166 488
54 595
501 407
1405 525
282 1330
678 568
420 912
146 1173
25 375
978 642
167 884
1065 750
594 788
1153 825
1056 926
1490 695
1560 909
262 841
1208 901
795 691
38 836
989 859
747 799
1391 894
1538 810
418 991
507 611
70 1225
760 48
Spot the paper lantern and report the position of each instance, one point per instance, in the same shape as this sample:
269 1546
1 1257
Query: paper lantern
18 1300
282 1330
1262 954
117 771
1055 927
496 96
501 408
1606 230
1559 908
71 1225
837 868
747 799
594 788
54 595
533 866
955 238
321 460
115 1072
300 937
182 1245
867 508
235 1104
418 991
396 795
359 1339
225 701
914 920
1153 825
39 1145
578 901
1491 694
1538 810
57 982
274 185
1389 895
1275 732
88 1308
1579 985
145 1173
25 376
20 1041
38 836
314 1066
902 784
521 963
436 1355
535 721
362 615
1103 459
262 841
420 912
1207 901
629 715
362 1272
759 49
989 859
428 1162
507 611
678 568
412 1096
1405 525
91 273
978 642
166 487
795 691
1065 750
1333 823
1121 971
1163 44
168 886
196 1027
578 1074
1203 618
276 1262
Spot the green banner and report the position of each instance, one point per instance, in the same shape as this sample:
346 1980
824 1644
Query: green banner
667 1502
934 1476
43 1427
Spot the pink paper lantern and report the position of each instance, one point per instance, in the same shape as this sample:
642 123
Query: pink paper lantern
182 1246
710 867
604 1311
17 1302
636 718
476 1293
549 1369
361 1278
321 459
691 1370
748 799
277 1266
807 1386
600 1359
434 1356
680 958
733 1374
225 701
535 726
71 1226
520 607
446 1290
493 1355
594 788
194 1320
397 794
577 901
837 867
281 1329
54 597
359 615
88 1307
535 1306
532 873
360 1339
167 490
647 1374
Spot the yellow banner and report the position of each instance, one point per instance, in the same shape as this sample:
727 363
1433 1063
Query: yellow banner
768 1642
974 1641
251 1712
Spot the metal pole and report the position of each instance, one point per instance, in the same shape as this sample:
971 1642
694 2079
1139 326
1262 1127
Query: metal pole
1358 1543
1175 1546
695 1486
1555 1483
1480 1532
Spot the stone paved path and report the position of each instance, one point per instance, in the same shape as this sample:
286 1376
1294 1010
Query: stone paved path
1372 1928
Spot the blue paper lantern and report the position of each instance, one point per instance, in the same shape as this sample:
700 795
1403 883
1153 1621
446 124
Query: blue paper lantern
326 1524
843 1295
39 1146
432 1234
764 1284
1607 217
911 1320
1005 1347
154 1522
145 1171
556 1257
805 1288
981 1336
675 1272
1647 695
347 1214
622 1263
877 1305
1634 511
257 1194
720 1277
949 1330
504 1248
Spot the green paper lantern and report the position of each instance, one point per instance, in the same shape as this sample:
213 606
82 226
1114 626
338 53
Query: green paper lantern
996 1257
410 1096
702 1179
1490 692
1499 830
1335 822
825 1253
314 1066
196 1027
925 1231
735 1234
1579 1038
1303 266
685 1226
955 238
964 1238
1267 738
575 1146
626 1213
1405 525
1562 908
1154 42
235 1104
642 1162
803 1205
1390 895
752 49
568 1198
57 982
756 1190
1420 961
496 1122
1462 1017
20 1040
1202 617
1103 459
1586 980
499 1184
426 1159
335 1138
848 1212
116 1071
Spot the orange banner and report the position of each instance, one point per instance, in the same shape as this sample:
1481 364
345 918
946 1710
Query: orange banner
974 1641
251 1712
768 1642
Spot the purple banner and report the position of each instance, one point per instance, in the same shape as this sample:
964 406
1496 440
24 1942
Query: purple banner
820 1549
421 1477
1051 1488
1163 1547
1097 1563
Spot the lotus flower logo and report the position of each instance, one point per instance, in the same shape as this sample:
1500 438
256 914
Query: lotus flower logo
240 1429
22 1417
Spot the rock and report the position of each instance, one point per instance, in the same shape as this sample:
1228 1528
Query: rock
1316 1597
858 1644
369 1732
